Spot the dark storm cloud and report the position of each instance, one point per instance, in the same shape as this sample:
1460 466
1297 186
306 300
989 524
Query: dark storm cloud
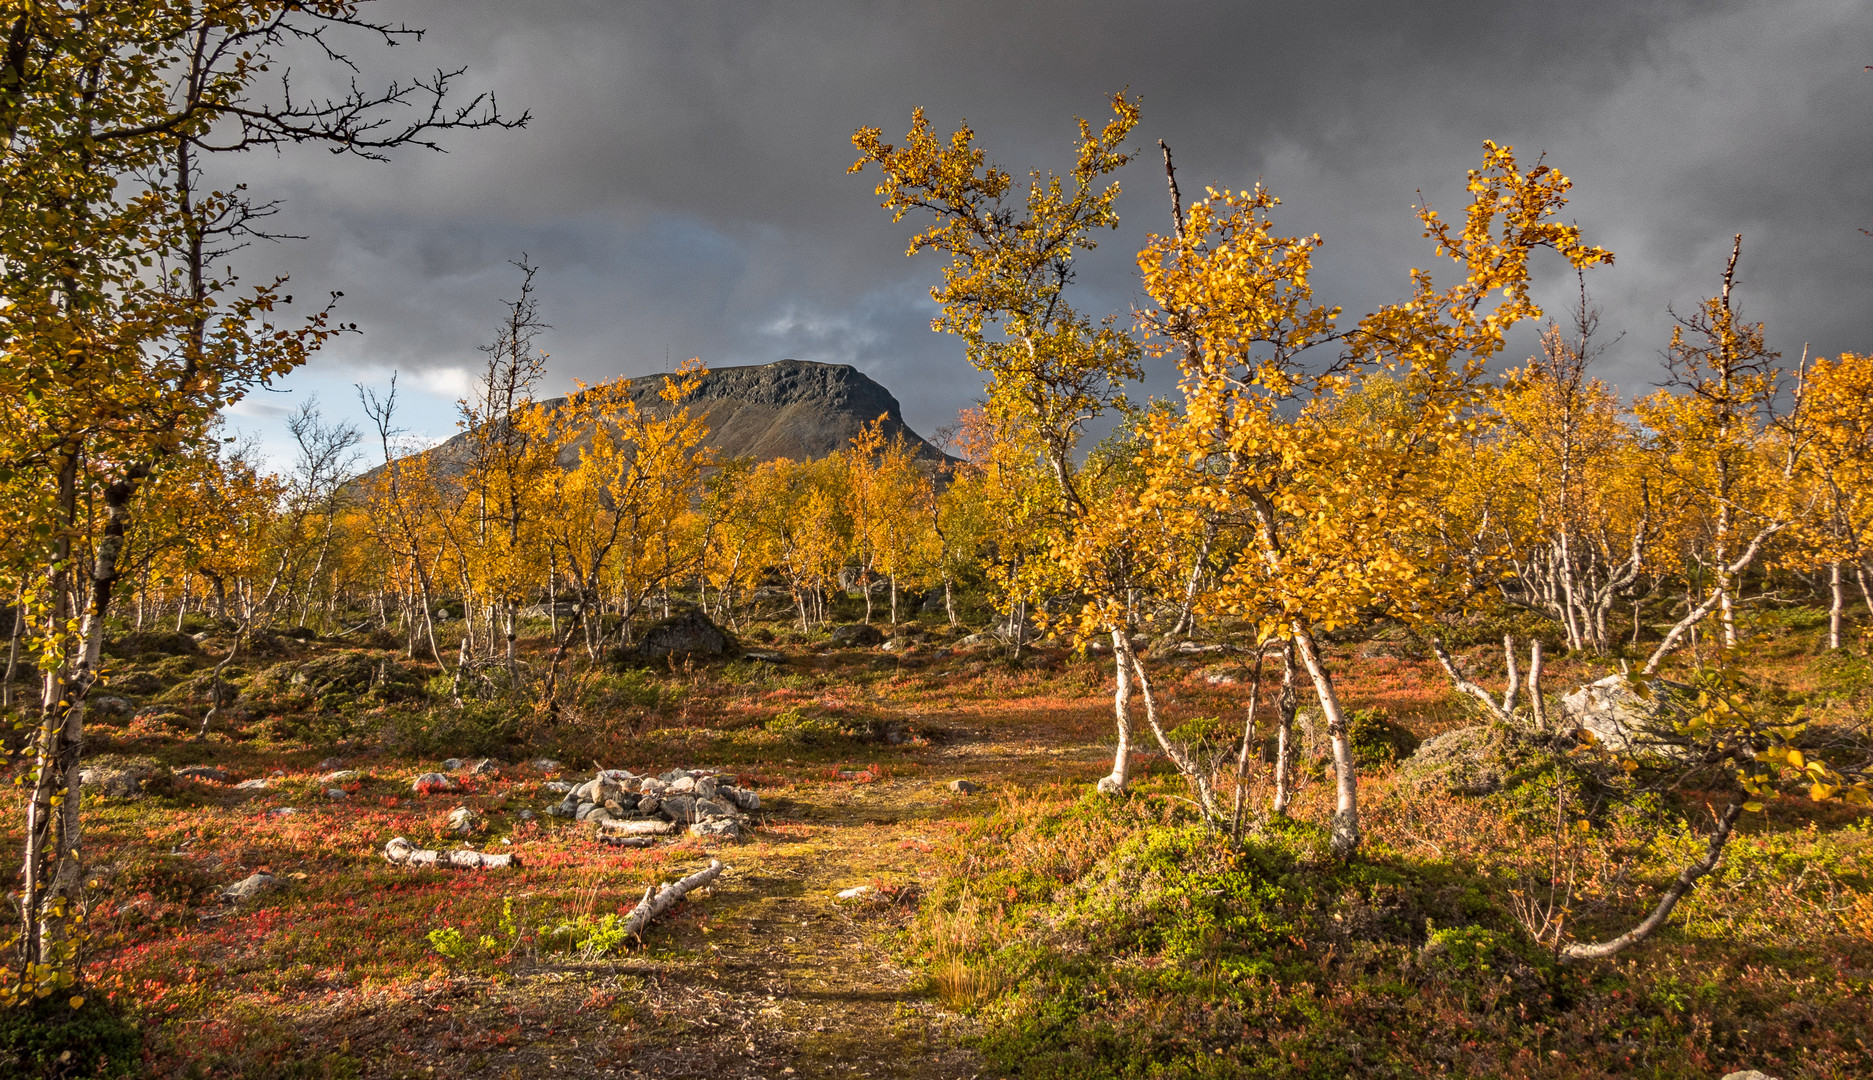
683 186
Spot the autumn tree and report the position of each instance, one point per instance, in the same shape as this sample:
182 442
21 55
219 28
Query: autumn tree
119 343
1332 487
1835 399
1713 425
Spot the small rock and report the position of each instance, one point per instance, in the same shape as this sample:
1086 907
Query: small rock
709 808
857 635
119 783
649 804
1748 1074
556 787
431 783
454 764
337 794
964 787
256 884
484 767
654 786
527 815
342 776
680 809
585 809
463 821
721 828
331 763
109 705
858 892
673 775
706 787
282 811
545 764
203 773
252 785
600 815
683 786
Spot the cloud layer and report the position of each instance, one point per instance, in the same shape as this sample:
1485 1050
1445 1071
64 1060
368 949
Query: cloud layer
682 184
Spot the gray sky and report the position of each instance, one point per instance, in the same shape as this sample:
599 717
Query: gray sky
682 184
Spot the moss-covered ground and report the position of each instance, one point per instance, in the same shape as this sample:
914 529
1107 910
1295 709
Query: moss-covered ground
1024 930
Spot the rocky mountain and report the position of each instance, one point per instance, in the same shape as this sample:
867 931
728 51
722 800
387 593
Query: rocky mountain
797 409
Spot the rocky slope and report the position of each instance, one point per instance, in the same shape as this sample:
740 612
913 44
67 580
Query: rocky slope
796 409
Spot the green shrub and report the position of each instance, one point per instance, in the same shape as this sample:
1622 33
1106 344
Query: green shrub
1378 740
796 725
49 1038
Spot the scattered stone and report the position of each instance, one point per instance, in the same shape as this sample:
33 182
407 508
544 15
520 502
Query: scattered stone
110 705
484 767
545 764
964 787
1472 761
584 811
649 804
1748 1074
463 821
975 640
337 794
203 773
1618 719
431 783
282 811
454 764
556 787
680 809
256 884
331 763
342 776
706 787
683 786
857 892
118 782
857 636
253 785
709 808
689 634
719 828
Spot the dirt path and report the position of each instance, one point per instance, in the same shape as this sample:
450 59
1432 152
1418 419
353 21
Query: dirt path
768 975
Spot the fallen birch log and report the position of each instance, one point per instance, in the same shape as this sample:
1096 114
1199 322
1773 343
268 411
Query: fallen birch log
628 841
400 852
636 828
660 898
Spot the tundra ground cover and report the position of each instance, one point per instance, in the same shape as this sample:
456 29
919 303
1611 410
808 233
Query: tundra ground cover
1030 928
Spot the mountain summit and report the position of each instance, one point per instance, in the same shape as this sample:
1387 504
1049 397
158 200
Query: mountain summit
796 409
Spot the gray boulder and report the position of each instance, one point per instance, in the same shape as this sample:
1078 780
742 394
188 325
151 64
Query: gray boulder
689 634
117 782
431 783
1624 716
1468 761
251 886
721 828
857 636
202 773
680 809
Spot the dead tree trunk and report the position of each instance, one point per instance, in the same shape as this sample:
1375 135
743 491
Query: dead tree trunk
660 898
